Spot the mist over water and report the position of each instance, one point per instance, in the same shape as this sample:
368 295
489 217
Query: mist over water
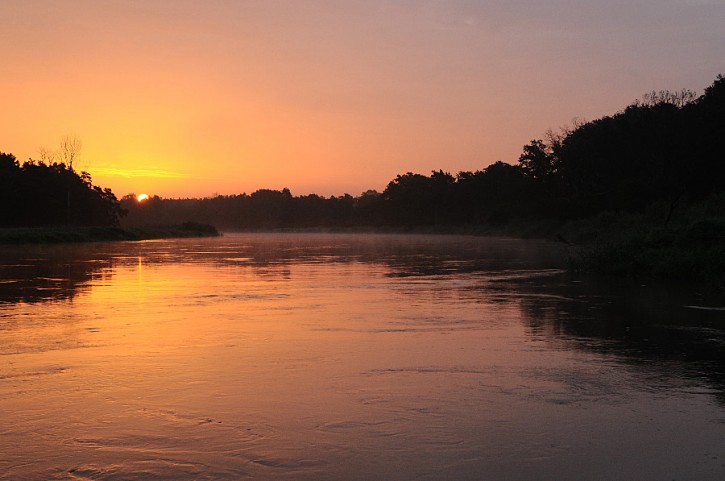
355 357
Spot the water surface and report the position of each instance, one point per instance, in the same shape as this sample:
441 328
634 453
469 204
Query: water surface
344 357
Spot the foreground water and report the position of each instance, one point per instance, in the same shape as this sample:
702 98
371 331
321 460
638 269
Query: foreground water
341 357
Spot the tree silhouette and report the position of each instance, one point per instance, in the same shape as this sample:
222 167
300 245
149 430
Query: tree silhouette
41 194
665 148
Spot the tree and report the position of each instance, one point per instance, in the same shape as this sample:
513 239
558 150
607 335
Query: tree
409 200
39 193
537 161
8 162
679 99
70 149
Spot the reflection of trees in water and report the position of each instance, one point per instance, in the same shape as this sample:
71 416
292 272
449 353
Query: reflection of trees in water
648 326
441 256
606 318
400 255
47 273
640 325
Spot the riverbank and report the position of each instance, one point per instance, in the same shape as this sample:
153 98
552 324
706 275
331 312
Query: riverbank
691 253
682 246
55 235
689 247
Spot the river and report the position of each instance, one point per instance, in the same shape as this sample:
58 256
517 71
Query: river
350 357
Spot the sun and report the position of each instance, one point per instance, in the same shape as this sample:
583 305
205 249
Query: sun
142 197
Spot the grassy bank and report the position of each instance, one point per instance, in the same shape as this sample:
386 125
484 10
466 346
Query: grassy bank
691 253
52 235
685 245
689 248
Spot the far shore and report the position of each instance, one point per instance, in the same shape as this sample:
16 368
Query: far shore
74 234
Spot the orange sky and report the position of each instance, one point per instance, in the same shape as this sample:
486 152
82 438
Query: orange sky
185 98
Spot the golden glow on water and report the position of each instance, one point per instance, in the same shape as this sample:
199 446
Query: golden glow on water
321 357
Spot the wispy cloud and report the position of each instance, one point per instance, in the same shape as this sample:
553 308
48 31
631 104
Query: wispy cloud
129 173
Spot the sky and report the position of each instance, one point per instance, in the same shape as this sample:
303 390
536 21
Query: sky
182 98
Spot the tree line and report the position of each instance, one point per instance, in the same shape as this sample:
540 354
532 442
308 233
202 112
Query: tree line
663 148
48 193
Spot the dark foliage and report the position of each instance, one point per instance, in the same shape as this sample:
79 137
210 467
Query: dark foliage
665 148
40 194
